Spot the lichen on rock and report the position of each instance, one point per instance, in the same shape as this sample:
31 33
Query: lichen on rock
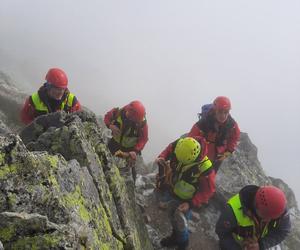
62 172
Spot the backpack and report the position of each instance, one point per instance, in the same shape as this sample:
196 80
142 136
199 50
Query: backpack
205 109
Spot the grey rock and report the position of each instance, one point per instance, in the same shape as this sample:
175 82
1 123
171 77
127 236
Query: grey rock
69 185
11 100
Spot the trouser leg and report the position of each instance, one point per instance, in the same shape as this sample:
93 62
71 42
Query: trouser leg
180 234
113 146
217 165
133 173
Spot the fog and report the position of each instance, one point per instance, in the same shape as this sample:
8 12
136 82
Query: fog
174 56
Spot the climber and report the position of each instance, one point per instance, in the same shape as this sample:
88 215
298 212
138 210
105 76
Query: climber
51 97
183 182
129 132
254 219
218 128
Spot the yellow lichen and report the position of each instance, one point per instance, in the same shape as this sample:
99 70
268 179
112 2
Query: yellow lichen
53 159
2 159
76 200
45 241
6 170
7 233
12 199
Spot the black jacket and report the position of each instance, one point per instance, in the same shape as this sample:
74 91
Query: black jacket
227 224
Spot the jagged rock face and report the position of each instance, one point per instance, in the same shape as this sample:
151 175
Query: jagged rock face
241 169
11 100
67 191
293 241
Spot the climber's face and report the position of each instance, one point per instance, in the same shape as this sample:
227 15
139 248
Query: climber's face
56 93
222 115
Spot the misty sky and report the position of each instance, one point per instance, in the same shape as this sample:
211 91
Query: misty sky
174 56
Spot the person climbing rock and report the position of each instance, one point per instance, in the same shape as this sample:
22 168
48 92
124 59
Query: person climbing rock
219 129
254 219
129 132
53 96
183 182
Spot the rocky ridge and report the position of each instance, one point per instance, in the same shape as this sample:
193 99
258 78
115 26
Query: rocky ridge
60 188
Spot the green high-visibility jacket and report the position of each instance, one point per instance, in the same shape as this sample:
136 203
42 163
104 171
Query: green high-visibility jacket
41 108
246 226
129 137
186 177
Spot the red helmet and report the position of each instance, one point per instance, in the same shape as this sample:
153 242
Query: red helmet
270 202
221 103
57 78
135 111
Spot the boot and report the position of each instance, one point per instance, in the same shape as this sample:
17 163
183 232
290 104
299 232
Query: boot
182 245
169 241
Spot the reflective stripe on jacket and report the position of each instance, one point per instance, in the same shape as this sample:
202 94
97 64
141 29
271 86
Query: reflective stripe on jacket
186 178
128 137
41 108
246 225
